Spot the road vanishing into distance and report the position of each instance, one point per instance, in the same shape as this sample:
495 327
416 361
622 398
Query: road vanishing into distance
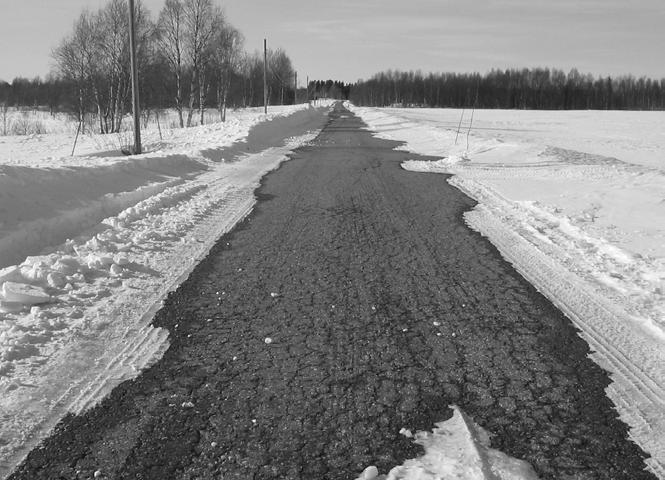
353 302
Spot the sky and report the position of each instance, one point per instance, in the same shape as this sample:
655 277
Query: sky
352 39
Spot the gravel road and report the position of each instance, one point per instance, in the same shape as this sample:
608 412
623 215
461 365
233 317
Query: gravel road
353 302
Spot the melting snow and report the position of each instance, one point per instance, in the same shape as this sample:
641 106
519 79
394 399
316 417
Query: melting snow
456 448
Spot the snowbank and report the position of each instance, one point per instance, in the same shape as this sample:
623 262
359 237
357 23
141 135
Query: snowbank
575 201
91 244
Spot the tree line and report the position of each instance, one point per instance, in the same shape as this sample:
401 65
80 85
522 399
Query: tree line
190 58
537 88
329 89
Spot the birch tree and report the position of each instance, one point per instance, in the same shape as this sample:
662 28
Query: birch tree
74 58
96 56
228 59
282 72
201 19
170 28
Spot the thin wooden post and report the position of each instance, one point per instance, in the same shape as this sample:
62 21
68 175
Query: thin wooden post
295 91
459 126
475 102
159 128
78 130
469 130
265 76
135 80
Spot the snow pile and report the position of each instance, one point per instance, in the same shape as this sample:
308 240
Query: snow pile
575 201
90 250
456 448
42 207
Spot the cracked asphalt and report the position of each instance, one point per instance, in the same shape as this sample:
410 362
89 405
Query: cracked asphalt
353 302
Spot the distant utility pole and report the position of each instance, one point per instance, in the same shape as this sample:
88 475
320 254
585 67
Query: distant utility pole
265 76
307 87
135 80
295 91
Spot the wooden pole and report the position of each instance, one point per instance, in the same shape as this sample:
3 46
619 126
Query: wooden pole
159 128
475 102
307 87
469 130
78 130
135 80
295 91
459 126
265 76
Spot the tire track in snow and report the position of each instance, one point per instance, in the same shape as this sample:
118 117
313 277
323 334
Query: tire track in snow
637 363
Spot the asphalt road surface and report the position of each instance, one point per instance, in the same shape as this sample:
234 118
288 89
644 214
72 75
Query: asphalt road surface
383 308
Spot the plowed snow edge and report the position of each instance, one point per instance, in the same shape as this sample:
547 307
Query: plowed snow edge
634 360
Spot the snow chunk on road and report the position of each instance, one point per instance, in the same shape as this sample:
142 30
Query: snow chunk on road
457 448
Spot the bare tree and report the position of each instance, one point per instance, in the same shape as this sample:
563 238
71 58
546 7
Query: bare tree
245 71
191 44
95 57
228 60
186 31
201 20
281 70
111 87
251 70
170 28
75 59
4 106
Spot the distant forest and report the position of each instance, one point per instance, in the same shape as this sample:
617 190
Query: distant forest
538 88
242 85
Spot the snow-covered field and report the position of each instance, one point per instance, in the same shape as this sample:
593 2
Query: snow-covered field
90 244
25 121
576 201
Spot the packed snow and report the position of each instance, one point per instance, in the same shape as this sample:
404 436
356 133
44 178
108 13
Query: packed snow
90 244
456 448
576 201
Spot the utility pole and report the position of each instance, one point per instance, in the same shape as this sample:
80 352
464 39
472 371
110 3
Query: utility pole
307 86
265 76
135 80
295 92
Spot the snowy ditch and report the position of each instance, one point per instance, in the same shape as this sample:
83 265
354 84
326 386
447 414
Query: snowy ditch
574 200
106 240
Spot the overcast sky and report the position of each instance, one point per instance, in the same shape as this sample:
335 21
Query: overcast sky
352 39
